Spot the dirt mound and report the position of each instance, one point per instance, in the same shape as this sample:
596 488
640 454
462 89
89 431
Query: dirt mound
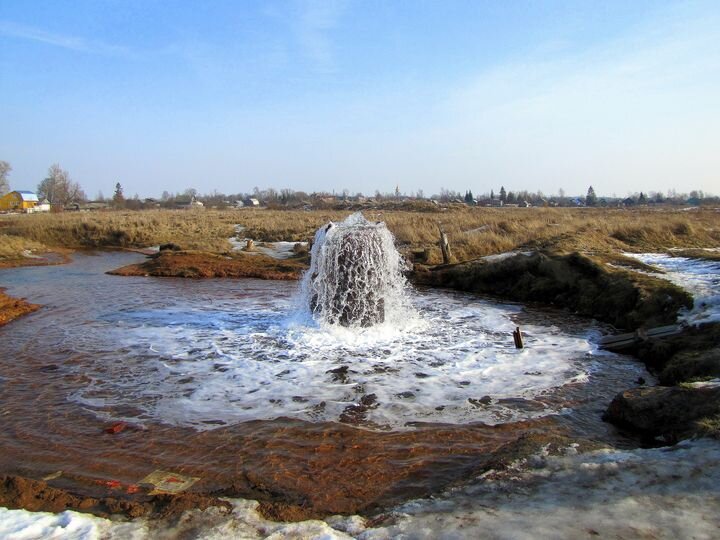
572 281
12 308
198 264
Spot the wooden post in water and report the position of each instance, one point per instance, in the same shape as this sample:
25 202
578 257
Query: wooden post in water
517 336
445 247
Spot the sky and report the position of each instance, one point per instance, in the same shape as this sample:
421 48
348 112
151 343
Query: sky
362 95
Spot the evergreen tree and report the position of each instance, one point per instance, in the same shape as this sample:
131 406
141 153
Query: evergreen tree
503 194
118 197
591 198
492 195
642 199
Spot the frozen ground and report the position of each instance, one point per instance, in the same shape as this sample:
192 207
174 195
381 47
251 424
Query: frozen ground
658 493
699 277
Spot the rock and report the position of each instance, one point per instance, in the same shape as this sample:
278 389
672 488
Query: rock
689 365
663 410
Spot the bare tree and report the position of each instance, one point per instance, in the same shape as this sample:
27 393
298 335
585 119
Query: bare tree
5 169
58 188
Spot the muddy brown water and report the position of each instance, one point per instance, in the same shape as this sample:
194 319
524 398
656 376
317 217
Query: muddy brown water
51 423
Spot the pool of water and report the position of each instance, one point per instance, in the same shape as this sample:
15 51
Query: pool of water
218 352
227 381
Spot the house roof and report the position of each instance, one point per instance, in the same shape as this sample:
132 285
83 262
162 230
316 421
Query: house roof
27 195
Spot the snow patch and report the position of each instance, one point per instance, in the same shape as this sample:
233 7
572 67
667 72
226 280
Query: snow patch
701 278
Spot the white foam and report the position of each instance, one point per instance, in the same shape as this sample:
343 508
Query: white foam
200 366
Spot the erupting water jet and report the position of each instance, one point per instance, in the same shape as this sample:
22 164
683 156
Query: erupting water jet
356 274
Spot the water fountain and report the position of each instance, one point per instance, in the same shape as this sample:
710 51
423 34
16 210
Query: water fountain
356 275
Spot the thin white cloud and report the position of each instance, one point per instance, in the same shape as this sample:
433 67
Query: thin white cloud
636 111
73 43
315 22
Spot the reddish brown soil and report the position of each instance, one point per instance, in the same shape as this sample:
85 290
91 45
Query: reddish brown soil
297 470
12 308
197 264
37 495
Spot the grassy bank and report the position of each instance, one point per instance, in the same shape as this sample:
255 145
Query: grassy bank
473 232
476 232
583 284
80 230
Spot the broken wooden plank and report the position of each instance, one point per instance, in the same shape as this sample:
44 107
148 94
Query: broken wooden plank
624 341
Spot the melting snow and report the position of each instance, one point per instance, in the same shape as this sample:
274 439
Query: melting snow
699 277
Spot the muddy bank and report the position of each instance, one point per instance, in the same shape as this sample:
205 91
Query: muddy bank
689 356
39 496
670 413
573 281
12 308
198 264
683 406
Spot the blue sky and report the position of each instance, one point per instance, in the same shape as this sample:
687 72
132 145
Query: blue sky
362 95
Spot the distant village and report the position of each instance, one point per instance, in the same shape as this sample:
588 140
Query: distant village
57 193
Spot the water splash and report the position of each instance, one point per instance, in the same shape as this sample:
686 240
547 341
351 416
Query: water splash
356 275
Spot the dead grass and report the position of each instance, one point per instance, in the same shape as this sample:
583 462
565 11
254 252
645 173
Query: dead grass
17 247
206 230
476 232
12 308
473 232
709 426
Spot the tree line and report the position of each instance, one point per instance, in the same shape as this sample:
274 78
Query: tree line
58 188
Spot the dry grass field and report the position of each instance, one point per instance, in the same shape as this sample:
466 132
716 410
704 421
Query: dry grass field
473 232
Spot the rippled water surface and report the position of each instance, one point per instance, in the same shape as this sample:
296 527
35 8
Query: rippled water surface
217 352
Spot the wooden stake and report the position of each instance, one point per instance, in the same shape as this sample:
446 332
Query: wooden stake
445 248
517 337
